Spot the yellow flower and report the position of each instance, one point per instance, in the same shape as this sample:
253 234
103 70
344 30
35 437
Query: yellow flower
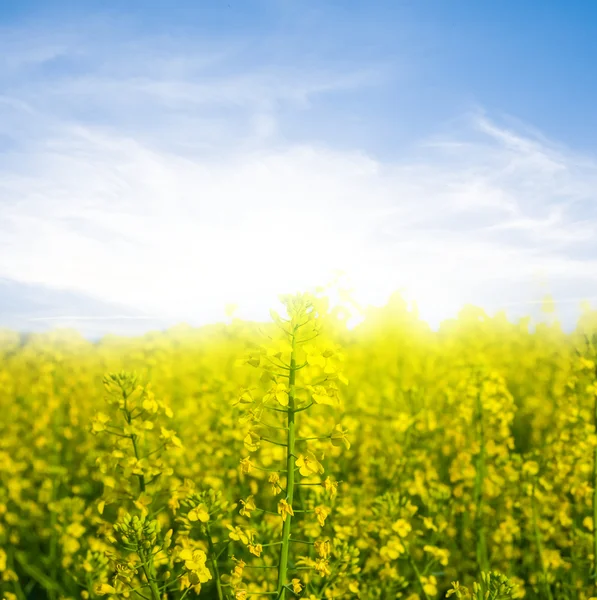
322 513
393 549
150 404
194 562
274 481
170 437
279 392
245 465
99 423
101 589
297 588
402 527
459 590
429 585
285 509
237 534
76 530
322 567
429 524
255 549
331 487
309 465
239 567
314 357
199 513
324 395
323 548
248 506
440 554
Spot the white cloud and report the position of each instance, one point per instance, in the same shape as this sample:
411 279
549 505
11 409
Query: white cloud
174 191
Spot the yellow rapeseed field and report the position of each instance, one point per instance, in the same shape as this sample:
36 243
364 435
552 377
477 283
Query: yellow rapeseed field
301 458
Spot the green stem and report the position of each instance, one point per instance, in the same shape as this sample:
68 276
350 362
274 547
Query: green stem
214 564
18 589
275 442
269 426
268 470
141 477
153 588
186 592
417 573
36 573
290 460
269 512
127 416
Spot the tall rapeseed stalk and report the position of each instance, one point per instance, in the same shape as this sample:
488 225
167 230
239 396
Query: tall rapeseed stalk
296 352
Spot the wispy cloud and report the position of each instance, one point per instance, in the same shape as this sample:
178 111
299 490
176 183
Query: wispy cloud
162 179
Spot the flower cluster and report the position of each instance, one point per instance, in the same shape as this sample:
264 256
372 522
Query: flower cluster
236 461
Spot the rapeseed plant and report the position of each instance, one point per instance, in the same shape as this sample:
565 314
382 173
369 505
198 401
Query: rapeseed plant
300 371
465 455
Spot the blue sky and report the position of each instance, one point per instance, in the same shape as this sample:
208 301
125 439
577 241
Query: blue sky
158 161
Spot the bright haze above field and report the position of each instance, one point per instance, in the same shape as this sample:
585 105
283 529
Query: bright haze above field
159 160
